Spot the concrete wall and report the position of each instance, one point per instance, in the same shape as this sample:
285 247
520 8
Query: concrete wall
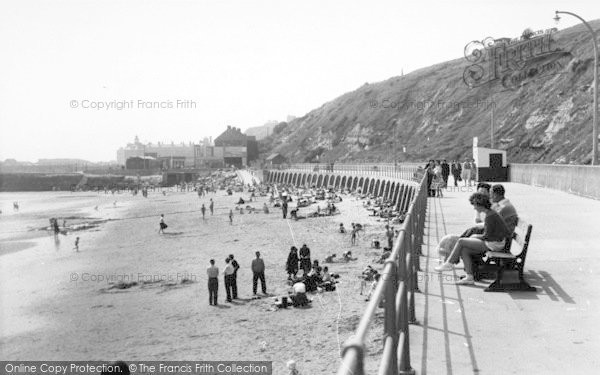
576 179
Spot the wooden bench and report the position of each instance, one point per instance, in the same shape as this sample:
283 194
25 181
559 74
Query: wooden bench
509 267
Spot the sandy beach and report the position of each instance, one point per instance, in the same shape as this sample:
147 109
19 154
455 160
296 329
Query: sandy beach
58 304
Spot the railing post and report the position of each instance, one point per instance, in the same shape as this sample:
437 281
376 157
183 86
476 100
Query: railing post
404 354
390 326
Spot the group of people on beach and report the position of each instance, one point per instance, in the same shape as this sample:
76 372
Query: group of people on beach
230 272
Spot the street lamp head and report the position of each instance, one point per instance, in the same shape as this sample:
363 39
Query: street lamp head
556 17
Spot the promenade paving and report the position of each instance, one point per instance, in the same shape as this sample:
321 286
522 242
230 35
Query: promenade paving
556 330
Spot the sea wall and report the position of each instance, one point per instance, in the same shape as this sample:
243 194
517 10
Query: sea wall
582 180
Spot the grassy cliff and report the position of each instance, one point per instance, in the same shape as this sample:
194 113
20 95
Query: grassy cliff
542 112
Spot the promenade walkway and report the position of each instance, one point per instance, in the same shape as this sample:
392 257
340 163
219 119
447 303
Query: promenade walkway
556 330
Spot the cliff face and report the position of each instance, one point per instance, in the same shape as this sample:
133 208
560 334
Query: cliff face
540 91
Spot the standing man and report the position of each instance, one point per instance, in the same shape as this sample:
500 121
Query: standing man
445 172
258 272
203 209
284 207
213 282
230 217
236 267
305 263
456 171
212 207
228 278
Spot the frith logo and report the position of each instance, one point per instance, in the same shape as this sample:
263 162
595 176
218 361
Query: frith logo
510 62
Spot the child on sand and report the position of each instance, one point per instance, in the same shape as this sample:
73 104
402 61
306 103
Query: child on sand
76 248
163 226
353 234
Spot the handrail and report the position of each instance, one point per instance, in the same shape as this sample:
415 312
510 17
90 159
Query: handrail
398 280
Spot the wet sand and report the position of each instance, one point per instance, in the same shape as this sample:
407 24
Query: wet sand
58 304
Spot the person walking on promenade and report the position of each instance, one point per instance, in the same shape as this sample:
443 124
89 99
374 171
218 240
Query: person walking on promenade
291 266
236 267
258 272
203 209
473 172
445 172
212 207
456 172
162 224
228 278
429 169
213 282
230 217
466 172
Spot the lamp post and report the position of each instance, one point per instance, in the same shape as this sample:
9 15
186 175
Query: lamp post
595 107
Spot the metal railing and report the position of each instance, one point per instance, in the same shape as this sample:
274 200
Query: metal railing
396 288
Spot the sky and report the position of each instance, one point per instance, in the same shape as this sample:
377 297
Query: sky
79 79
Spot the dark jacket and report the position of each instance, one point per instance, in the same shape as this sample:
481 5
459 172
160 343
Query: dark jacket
445 169
456 169
291 265
236 266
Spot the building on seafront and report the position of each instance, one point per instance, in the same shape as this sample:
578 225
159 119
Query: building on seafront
232 147
235 147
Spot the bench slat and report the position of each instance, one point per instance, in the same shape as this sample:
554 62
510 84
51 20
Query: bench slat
499 254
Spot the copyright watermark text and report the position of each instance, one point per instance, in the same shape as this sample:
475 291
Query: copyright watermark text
131 277
422 105
131 104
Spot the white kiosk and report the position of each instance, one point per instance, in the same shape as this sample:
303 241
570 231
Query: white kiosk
491 163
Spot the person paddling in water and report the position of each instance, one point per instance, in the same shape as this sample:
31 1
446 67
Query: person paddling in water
163 226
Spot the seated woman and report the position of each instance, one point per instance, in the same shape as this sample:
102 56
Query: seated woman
313 278
448 242
241 201
493 238
327 282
